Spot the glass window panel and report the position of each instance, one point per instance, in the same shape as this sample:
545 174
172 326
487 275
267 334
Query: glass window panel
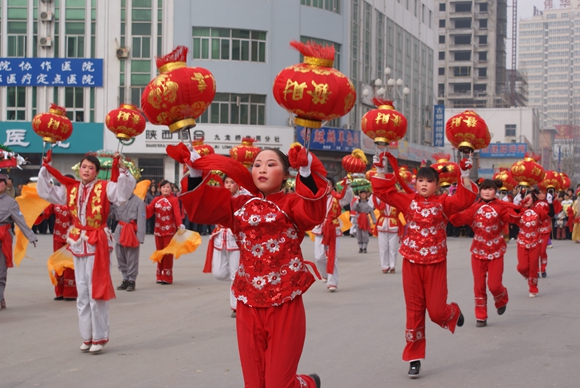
235 50
160 28
17 3
146 50
136 47
141 14
215 49
16 27
200 31
245 50
224 113
71 47
68 97
220 32
74 28
140 79
159 47
260 99
196 48
75 3
141 28
243 114
262 55
79 98
141 3
17 13
123 13
244 97
261 114
136 96
20 115
245 34
205 49
222 97
253 114
235 114
74 14
215 113
11 97
225 49
254 51
140 66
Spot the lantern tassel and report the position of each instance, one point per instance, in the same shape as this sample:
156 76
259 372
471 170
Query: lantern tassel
315 50
359 154
179 54
379 102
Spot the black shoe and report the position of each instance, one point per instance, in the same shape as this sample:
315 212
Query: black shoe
130 286
544 274
364 250
70 299
414 369
461 320
501 310
360 250
233 314
481 323
123 285
58 298
316 379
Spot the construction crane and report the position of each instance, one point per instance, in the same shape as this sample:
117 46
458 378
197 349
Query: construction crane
514 52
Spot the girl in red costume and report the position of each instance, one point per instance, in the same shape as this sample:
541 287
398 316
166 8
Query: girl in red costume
424 249
531 219
487 217
269 226
546 229
167 221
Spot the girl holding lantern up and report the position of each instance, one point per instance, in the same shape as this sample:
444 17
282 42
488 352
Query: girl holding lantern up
269 226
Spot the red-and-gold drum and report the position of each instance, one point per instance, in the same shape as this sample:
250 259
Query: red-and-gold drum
313 90
53 126
467 132
356 162
246 152
528 172
179 94
384 124
125 122
448 176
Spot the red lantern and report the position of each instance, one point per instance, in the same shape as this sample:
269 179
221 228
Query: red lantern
53 126
406 174
566 182
179 94
384 124
449 176
528 172
371 173
313 90
355 162
551 181
467 132
202 148
125 122
505 176
246 152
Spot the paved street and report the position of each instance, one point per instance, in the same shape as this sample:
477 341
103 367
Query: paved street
181 335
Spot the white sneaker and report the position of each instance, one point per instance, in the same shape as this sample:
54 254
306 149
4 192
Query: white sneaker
532 295
331 288
96 348
324 280
85 347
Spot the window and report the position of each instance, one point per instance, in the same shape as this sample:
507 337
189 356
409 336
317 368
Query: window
441 23
463 7
441 55
483 24
74 104
236 109
328 5
441 90
482 56
482 72
441 71
441 6
16 103
461 71
482 39
463 23
463 56
480 90
510 130
463 39
229 44
152 168
482 7
441 38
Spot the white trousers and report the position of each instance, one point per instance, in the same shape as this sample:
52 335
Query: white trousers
388 246
224 266
93 314
321 261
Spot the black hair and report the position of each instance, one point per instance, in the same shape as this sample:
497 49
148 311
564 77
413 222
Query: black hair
70 176
92 159
430 173
491 184
281 155
331 180
163 183
534 191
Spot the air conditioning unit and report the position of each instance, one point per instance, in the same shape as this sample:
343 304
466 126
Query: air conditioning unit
122 52
46 16
45 41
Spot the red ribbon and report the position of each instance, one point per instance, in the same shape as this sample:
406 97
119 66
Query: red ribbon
128 237
6 240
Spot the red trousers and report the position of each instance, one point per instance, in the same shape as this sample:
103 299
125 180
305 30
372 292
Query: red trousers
493 271
425 288
65 284
528 265
544 251
165 266
270 342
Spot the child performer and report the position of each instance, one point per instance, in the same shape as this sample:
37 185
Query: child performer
66 287
545 229
487 217
223 258
531 219
89 239
269 226
353 217
129 233
9 212
364 209
388 229
326 242
424 249
167 220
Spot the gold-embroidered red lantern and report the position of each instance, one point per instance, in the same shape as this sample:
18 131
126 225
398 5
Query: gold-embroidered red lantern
371 173
528 172
566 182
355 162
467 132
385 124
551 181
246 152
179 94
406 174
313 90
202 148
448 176
53 126
505 176
125 122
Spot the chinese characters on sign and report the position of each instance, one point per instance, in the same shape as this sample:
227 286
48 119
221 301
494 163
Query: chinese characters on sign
439 125
77 72
504 150
330 139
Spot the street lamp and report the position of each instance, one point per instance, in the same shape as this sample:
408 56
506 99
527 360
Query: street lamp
390 88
